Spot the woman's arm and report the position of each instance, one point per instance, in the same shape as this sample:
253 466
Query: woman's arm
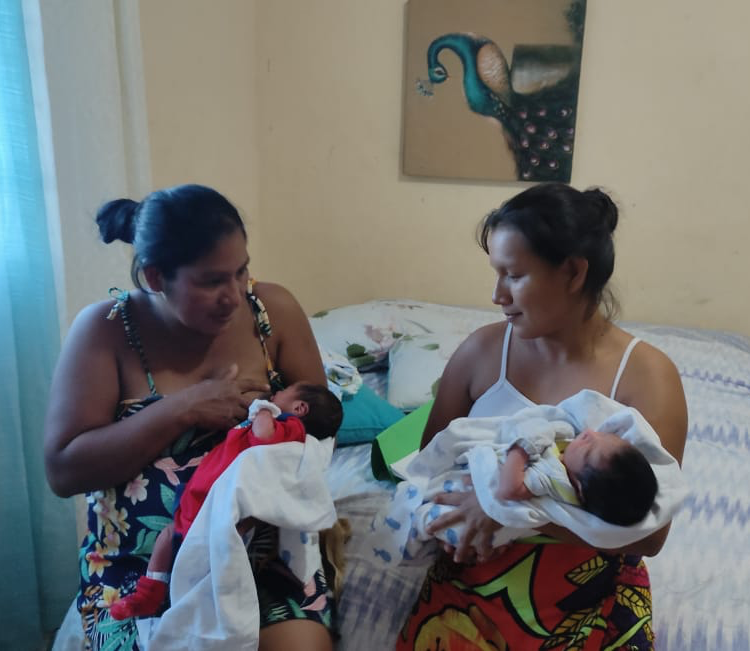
649 546
652 385
292 346
465 377
84 448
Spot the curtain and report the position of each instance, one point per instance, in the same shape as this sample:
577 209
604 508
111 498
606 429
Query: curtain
37 529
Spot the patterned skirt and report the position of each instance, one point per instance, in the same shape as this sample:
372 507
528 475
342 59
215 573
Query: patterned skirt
550 597
281 596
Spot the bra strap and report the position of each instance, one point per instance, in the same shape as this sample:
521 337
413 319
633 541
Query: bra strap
623 364
121 307
263 325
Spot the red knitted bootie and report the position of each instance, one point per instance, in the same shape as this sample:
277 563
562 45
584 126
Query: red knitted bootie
147 599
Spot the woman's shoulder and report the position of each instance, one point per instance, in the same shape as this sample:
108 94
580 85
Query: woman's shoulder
476 360
273 294
105 318
651 383
646 365
650 363
95 329
283 311
279 304
293 348
97 317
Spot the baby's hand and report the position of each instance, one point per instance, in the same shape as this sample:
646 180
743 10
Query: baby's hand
263 425
510 485
259 404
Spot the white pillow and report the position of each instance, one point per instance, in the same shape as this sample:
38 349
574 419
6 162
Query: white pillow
416 363
377 325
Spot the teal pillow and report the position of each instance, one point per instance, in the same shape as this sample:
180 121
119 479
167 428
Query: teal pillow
366 414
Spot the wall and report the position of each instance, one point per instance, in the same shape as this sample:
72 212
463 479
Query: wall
199 65
294 110
97 135
662 119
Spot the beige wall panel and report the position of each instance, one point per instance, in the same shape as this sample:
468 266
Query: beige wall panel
294 109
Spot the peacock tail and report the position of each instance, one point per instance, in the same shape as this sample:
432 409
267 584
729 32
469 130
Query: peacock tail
534 99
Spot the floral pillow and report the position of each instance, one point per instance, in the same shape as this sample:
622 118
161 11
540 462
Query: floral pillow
416 364
363 332
366 332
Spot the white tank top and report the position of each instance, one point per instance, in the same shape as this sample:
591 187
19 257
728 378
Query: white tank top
503 399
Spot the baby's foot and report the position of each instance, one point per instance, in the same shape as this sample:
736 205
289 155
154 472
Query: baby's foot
147 599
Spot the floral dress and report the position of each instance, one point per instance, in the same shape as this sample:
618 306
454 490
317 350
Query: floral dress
123 523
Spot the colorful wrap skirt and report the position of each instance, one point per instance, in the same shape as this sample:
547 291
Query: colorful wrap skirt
547 596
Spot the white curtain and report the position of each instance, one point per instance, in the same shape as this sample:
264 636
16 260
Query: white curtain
37 529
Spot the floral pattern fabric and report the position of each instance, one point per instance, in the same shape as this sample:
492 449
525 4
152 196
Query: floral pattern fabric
123 523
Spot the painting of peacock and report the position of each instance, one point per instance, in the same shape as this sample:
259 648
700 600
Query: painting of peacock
534 99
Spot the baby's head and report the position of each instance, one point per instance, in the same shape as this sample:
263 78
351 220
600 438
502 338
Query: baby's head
613 479
318 409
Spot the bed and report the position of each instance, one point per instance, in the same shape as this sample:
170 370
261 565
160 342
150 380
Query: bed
700 579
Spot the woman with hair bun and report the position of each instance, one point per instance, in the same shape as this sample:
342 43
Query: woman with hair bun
552 251
150 380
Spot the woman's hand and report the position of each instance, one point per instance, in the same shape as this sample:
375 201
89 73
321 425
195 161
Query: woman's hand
220 402
476 542
85 450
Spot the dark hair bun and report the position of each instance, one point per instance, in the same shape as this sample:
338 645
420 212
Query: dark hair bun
603 206
116 220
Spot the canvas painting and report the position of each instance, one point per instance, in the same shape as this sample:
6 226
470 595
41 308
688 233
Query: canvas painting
491 88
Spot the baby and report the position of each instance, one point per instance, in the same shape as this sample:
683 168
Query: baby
611 478
288 415
538 453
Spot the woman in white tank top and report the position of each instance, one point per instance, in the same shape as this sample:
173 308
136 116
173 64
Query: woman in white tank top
503 399
551 248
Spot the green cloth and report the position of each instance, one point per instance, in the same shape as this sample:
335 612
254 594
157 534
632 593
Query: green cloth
400 439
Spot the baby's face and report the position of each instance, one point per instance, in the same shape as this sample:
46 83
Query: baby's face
591 448
286 399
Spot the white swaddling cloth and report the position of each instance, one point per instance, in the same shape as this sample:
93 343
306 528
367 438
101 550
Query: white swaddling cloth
214 602
471 447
